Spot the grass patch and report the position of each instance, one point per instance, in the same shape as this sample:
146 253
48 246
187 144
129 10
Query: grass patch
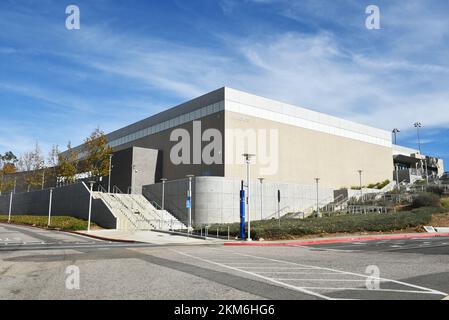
57 222
374 222
445 203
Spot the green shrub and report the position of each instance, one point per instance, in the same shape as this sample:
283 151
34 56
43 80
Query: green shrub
445 203
435 190
426 199
294 228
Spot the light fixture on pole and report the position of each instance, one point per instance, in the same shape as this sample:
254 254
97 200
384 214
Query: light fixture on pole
110 172
189 202
261 197
248 157
361 189
395 132
91 183
418 125
318 197
49 207
163 193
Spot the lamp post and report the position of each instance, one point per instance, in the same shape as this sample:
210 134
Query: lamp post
395 132
110 172
49 207
418 125
134 172
10 208
163 193
318 197
261 197
189 201
43 179
91 183
248 157
361 189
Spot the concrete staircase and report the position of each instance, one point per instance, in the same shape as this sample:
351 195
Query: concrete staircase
135 212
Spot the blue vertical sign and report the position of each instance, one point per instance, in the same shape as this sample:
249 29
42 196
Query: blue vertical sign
242 213
188 201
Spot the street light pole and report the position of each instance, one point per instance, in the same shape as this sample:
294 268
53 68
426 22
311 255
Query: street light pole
49 207
418 125
261 198
361 189
10 208
133 179
110 172
43 179
318 198
395 132
163 193
248 203
90 204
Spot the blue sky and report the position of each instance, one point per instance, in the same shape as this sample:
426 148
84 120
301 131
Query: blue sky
133 58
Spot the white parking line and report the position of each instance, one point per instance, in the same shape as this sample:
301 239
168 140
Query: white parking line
269 274
331 280
382 290
426 290
260 276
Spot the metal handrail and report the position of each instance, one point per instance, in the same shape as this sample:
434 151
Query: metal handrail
100 188
172 207
274 215
131 218
115 189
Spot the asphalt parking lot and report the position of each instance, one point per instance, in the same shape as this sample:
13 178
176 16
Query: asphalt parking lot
397 269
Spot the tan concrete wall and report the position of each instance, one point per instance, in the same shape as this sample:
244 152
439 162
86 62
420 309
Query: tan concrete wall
304 154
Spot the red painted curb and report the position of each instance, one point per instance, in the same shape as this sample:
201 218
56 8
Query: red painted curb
337 240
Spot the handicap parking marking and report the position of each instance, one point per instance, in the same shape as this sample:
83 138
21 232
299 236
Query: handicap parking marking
316 281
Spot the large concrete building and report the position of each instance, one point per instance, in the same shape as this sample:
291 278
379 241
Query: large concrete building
293 146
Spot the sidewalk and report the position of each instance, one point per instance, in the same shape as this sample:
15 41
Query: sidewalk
152 237
339 239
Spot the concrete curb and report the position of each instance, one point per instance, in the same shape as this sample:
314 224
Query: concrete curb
102 238
336 240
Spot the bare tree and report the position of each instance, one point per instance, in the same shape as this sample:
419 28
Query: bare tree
34 164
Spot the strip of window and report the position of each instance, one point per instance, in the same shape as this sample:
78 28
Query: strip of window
172 123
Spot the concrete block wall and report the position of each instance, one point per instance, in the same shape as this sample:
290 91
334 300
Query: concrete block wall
70 200
216 199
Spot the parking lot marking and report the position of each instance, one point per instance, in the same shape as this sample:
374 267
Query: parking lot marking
331 280
366 277
260 276
364 289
